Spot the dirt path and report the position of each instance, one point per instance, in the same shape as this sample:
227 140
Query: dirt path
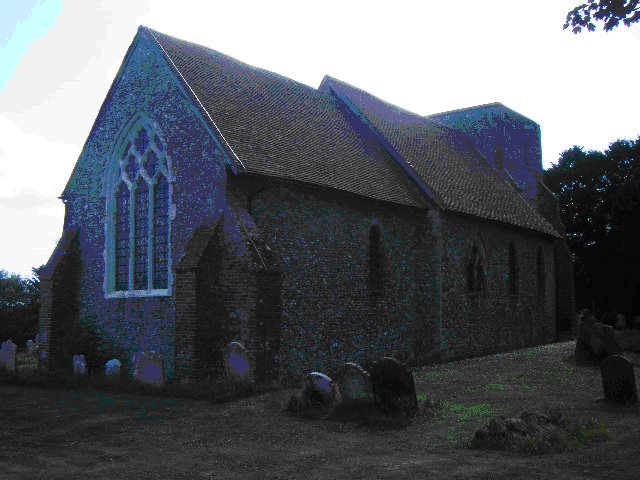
49 434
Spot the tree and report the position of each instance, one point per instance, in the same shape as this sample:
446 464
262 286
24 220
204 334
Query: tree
19 306
611 12
599 194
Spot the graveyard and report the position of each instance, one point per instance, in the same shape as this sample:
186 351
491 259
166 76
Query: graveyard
93 433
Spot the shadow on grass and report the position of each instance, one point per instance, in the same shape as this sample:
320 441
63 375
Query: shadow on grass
215 392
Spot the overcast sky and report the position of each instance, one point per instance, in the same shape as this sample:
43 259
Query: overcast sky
59 57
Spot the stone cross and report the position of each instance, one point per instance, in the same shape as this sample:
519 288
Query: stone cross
618 380
237 367
8 355
79 365
354 384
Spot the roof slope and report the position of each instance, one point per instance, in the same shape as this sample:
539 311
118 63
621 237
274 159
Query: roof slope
282 128
285 129
445 160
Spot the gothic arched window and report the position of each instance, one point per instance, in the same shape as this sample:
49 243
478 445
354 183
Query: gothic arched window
138 195
375 259
513 269
476 265
540 273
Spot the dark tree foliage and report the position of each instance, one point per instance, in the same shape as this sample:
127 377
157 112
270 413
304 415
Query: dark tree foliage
611 12
19 306
599 195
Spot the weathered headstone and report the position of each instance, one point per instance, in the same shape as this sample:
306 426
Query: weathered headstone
618 380
584 349
319 388
30 346
8 355
237 367
147 368
393 386
79 365
37 339
603 342
621 322
354 384
112 367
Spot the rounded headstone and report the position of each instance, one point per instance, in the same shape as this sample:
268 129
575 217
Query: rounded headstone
237 366
618 380
112 367
393 386
354 384
320 387
30 345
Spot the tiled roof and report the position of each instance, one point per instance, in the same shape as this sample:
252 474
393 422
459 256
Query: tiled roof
445 160
285 129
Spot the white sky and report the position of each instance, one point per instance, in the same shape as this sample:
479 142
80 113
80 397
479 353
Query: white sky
59 57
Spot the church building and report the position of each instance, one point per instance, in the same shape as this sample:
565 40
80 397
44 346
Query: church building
214 201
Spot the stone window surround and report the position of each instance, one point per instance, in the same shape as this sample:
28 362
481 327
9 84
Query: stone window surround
112 180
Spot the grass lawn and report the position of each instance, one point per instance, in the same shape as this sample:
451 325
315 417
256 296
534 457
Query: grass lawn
87 434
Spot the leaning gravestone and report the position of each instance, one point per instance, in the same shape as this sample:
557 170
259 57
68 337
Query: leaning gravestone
112 367
393 386
618 380
354 384
8 355
237 367
79 365
319 388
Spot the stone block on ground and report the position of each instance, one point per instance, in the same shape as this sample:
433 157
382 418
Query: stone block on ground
393 386
237 365
8 355
354 384
618 380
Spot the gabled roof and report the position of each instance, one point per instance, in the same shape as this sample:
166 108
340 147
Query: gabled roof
445 160
285 129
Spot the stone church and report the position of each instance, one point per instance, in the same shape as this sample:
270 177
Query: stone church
215 201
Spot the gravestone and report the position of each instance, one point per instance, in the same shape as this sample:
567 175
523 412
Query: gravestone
319 388
603 342
618 380
393 386
79 365
37 339
621 322
237 367
584 349
147 368
31 346
354 384
8 355
112 367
